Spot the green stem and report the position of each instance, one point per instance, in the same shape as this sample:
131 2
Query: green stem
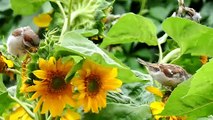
30 113
61 8
160 41
170 55
69 15
64 28
160 53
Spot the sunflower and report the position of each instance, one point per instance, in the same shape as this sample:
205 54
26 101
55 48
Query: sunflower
93 83
52 90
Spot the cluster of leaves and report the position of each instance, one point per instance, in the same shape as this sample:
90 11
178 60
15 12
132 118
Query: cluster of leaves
130 37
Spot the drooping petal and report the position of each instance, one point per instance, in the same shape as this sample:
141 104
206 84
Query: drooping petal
154 90
40 74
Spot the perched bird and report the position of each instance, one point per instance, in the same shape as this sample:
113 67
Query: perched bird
21 40
167 74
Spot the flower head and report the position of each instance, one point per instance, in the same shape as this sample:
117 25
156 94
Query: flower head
93 83
52 90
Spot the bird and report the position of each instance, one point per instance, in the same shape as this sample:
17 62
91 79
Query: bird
21 40
168 75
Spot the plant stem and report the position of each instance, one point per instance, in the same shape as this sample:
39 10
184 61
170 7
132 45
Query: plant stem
64 28
170 55
160 41
22 105
160 53
69 14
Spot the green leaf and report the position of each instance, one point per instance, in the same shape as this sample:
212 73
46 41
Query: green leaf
2 87
121 112
73 43
87 33
175 105
26 7
4 102
194 98
192 37
131 28
190 63
159 12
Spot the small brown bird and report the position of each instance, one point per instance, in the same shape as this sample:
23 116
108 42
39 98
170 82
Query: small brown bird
22 40
167 74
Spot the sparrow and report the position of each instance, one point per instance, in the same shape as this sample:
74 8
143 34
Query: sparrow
21 40
169 75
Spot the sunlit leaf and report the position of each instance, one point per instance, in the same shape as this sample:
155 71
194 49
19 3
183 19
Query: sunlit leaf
75 44
192 37
131 28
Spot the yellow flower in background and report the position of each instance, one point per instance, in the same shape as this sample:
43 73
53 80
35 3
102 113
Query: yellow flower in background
52 90
42 20
203 59
70 115
9 63
19 114
93 83
154 90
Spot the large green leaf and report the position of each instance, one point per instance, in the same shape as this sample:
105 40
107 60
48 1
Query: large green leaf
5 102
131 28
73 43
121 112
26 7
192 37
193 98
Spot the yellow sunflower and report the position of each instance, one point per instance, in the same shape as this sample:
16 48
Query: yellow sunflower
93 83
52 90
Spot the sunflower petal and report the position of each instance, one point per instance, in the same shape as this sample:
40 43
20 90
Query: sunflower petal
40 74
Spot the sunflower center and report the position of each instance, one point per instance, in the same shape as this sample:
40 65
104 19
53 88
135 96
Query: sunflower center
58 83
93 84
